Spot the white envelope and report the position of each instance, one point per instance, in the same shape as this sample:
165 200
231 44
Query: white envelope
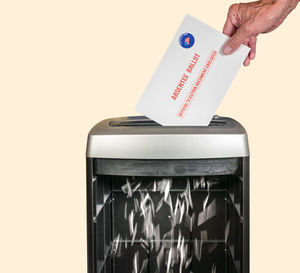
192 78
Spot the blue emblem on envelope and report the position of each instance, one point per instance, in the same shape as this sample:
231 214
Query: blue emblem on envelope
186 40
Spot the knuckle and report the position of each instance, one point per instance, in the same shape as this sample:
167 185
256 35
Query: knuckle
233 7
235 41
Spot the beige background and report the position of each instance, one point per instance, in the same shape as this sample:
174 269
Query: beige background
65 65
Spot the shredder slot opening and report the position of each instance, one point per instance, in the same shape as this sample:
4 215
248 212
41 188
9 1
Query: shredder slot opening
153 123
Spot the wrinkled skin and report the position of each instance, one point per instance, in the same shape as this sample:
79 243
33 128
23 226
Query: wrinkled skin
245 21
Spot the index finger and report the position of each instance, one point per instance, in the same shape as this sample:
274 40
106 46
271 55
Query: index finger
229 28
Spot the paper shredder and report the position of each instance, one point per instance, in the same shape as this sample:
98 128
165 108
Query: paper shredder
167 199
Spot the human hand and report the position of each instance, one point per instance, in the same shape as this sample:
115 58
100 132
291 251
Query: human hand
246 21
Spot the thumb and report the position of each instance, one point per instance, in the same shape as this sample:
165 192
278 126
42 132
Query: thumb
235 41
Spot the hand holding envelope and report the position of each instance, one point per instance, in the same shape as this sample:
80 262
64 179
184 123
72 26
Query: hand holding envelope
192 78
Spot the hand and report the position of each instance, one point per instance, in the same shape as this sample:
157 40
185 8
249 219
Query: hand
246 20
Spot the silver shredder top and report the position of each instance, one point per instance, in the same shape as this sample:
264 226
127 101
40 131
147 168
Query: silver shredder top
138 137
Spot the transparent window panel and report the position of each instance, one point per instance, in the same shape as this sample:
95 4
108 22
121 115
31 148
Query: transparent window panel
131 258
103 224
169 224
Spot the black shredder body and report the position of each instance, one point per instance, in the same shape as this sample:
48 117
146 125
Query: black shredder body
167 199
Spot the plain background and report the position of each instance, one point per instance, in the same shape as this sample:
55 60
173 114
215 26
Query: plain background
65 65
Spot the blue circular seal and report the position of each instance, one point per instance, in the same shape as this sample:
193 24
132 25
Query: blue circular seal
186 40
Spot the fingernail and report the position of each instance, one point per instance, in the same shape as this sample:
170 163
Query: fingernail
227 50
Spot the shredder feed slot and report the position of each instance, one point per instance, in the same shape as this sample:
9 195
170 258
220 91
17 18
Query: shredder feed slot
149 122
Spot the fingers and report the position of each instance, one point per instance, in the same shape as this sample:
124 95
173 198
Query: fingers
247 60
239 34
230 25
250 42
235 41
233 29
252 45
229 29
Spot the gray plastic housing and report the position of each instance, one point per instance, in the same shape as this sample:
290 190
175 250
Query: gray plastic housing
138 137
